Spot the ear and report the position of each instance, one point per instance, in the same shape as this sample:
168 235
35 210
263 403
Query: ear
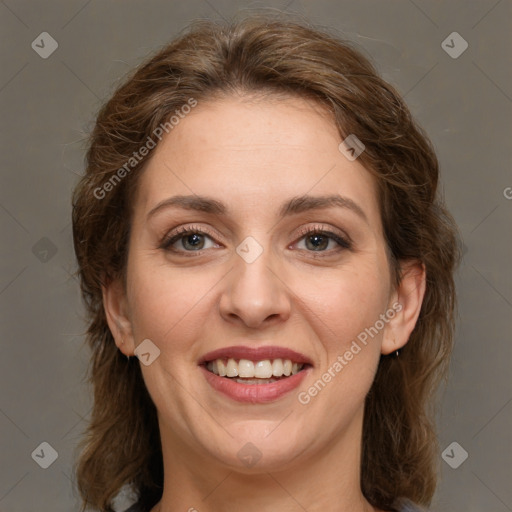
118 317
406 301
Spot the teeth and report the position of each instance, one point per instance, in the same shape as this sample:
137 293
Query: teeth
221 367
277 367
246 369
255 381
287 367
263 369
231 368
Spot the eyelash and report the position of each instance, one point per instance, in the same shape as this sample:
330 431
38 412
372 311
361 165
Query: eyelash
168 241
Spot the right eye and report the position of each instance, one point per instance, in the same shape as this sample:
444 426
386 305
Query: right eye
191 239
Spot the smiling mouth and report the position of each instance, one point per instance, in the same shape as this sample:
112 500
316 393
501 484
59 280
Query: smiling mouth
245 371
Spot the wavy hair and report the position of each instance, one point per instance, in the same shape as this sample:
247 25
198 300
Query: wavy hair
274 56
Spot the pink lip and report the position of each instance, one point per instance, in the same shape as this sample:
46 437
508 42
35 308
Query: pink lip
254 393
255 354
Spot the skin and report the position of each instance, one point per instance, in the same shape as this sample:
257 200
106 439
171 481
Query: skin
254 154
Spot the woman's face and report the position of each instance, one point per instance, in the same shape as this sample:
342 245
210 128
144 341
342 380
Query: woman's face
248 280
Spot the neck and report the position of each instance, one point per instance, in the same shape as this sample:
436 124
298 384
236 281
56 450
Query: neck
327 480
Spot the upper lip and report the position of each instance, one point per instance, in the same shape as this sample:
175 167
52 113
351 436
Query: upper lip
255 354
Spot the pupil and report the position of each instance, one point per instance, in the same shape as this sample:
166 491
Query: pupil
320 242
197 240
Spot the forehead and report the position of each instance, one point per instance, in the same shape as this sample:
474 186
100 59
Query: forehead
252 152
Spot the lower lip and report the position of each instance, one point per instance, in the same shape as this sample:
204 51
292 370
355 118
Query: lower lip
254 393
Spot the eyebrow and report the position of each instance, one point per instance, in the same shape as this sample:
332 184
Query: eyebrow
293 206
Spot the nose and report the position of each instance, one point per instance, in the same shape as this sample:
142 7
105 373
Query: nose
255 294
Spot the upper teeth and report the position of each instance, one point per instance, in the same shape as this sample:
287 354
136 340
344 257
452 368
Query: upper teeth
259 369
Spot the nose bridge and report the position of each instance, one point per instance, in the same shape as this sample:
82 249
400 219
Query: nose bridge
255 293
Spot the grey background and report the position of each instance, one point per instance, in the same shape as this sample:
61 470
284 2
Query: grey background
47 108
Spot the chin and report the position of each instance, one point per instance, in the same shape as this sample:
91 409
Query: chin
255 450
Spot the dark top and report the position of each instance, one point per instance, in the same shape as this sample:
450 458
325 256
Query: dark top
404 505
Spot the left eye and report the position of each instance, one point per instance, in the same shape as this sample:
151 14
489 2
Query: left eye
319 241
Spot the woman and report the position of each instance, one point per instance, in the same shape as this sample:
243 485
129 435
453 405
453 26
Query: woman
260 225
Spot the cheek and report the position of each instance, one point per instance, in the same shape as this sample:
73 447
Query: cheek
342 310
167 304
344 303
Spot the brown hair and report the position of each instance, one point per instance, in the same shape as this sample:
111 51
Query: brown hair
277 56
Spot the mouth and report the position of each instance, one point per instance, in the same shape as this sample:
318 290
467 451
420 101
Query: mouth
256 375
245 371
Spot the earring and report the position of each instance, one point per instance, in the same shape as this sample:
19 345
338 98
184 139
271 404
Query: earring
397 353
